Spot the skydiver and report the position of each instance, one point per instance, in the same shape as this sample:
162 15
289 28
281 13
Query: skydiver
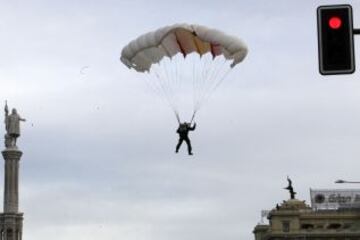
183 131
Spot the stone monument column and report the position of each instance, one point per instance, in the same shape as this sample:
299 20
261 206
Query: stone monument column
11 220
11 187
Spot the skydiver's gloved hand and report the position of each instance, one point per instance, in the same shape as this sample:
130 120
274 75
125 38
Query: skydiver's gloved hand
193 127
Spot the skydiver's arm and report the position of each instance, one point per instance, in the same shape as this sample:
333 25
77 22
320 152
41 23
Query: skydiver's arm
193 128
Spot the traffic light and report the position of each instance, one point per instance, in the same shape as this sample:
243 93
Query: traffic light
336 39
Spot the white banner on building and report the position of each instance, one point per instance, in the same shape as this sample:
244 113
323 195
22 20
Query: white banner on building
334 198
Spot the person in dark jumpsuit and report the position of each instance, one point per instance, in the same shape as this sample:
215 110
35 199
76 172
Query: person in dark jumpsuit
183 131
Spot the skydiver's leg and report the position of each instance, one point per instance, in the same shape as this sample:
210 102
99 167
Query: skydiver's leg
187 140
179 144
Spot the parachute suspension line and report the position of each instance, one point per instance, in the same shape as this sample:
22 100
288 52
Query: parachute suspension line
198 81
179 73
212 80
202 65
165 75
151 81
213 69
207 74
209 70
216 86
160 78
193 117
157 76
221 79
177 116
172 79
214 77
151 85
219 72
206 64
167 82
194 83
175 81
158 88
203 61
193 80
178 76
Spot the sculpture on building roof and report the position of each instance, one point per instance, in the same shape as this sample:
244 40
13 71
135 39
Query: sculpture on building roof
290 188
12 126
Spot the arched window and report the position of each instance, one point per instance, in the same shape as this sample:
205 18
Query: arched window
334 226
307 226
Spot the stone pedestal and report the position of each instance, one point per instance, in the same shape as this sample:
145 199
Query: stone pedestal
11 226
11 220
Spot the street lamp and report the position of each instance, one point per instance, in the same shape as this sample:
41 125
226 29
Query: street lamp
344 181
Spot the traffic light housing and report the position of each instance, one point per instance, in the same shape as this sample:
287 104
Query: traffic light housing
336 39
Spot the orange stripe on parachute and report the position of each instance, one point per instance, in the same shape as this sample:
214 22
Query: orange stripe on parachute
202 47
189 42
185 41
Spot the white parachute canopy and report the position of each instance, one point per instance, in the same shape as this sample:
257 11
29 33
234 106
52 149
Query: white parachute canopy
186 62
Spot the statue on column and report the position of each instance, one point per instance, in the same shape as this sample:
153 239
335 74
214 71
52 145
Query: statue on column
290 188
12 126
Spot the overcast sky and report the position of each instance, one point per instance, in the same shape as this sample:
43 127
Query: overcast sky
98 145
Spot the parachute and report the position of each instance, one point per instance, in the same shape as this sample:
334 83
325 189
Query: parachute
184 62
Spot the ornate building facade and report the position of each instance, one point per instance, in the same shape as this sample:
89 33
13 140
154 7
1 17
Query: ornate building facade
295 220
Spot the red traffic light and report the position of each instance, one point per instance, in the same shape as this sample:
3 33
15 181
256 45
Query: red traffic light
335 39
335 22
